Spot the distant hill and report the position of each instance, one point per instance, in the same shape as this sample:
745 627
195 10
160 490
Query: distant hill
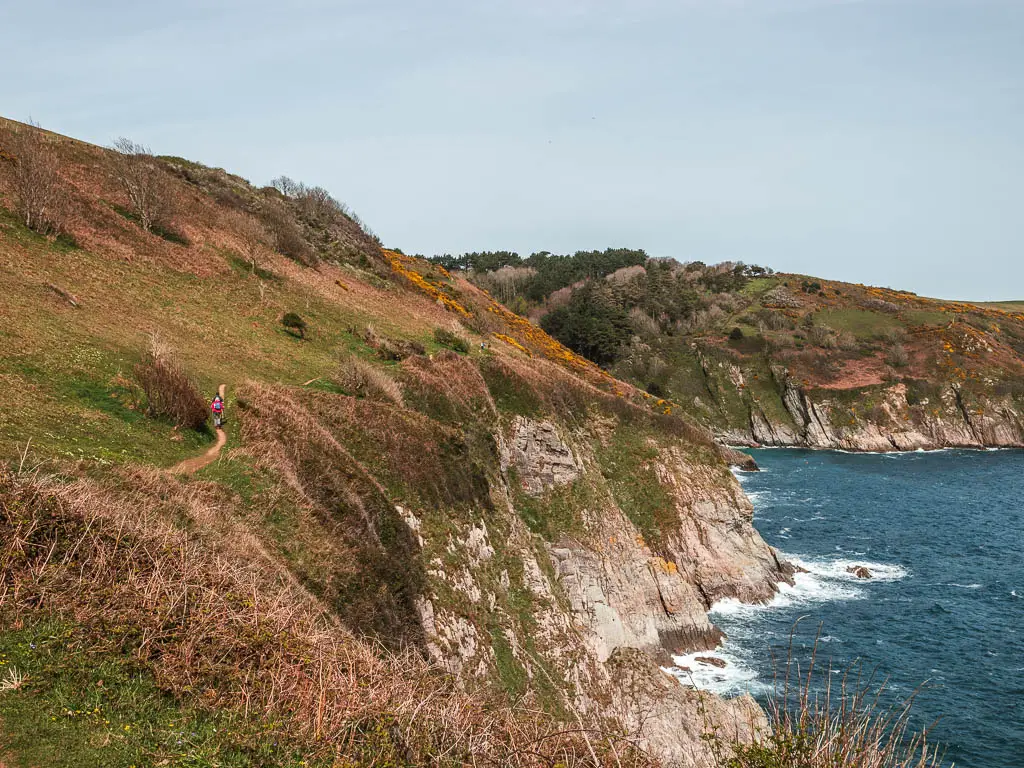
782 359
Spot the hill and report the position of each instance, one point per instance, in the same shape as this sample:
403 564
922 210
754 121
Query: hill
435 535
781 359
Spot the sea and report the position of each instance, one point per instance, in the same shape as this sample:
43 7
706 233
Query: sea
942 534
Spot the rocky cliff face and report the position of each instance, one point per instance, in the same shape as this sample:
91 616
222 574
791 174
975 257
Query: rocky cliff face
882 418
608 606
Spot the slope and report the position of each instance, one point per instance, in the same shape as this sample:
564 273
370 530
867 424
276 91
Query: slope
436 532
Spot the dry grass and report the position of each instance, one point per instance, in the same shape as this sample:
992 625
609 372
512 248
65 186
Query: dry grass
363 379
816 723
210 616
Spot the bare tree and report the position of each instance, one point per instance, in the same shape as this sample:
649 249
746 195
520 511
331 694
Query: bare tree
147 186
286 186
42 195
254 237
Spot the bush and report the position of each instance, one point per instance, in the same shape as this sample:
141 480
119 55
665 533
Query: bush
736 334
388 348
774 320
170 393
821 336
451 340
898 357
363 379
294 324
895 335
847 341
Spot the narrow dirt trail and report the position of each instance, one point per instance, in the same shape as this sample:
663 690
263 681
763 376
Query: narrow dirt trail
190 466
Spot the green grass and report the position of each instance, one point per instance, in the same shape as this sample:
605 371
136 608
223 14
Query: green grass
926 317
626 463
510 672
244 267
557 511
860 322
61 368
76 708
759 285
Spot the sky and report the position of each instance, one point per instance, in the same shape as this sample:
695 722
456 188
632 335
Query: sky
876 141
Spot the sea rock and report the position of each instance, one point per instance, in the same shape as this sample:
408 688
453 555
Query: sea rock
713 661
859 571
739 459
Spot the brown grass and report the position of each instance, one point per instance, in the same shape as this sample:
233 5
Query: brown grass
816 723
216 622
363 379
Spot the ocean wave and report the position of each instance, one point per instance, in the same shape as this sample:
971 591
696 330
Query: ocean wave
735 677
825 580
962 586
836 568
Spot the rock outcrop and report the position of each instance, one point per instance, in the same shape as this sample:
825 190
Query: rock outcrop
539 455
608 606
881 418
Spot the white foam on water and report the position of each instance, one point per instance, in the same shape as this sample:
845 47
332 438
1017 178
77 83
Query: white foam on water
962 586
836 568
734 678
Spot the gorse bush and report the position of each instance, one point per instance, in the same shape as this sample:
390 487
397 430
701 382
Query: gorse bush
451 340
169 392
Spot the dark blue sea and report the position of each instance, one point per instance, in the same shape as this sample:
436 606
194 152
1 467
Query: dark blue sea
943 535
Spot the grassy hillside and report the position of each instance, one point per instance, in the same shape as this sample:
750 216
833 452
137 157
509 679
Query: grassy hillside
436 535
269 610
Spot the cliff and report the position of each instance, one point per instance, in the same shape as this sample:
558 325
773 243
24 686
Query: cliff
435 532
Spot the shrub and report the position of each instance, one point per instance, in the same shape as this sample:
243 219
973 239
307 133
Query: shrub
286 235
736 334
774 320
42 198
847 341
894 335
821 336
451 340
388 348
898 357
146 185
294 324
363 379
881 305
169 392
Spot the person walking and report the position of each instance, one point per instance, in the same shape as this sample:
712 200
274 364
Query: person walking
217 406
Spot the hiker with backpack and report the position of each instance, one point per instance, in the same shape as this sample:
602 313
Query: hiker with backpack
217 406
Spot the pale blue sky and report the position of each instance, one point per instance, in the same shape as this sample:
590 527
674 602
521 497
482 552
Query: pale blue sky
880 141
